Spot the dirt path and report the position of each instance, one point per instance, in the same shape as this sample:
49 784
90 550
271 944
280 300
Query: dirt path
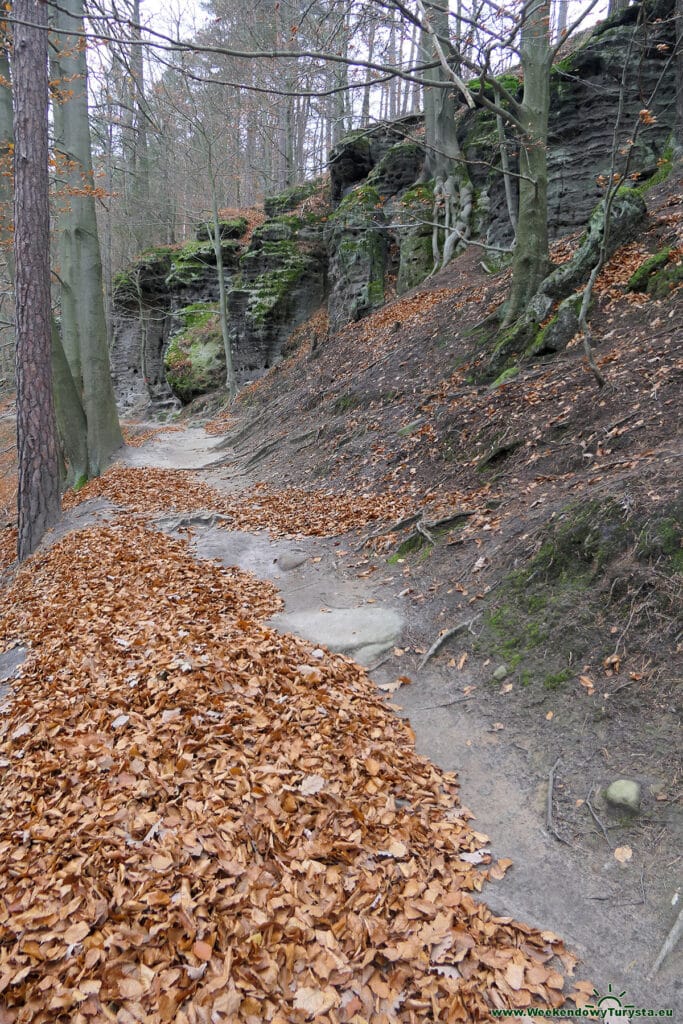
578 890
615 916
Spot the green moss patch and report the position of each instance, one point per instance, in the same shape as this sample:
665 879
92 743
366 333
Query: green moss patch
290 198
659 275
189 264
195 358
286 266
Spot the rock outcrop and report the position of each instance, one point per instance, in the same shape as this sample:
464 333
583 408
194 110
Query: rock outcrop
374 237
168 343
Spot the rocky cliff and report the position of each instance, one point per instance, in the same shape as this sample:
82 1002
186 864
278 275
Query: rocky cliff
371 234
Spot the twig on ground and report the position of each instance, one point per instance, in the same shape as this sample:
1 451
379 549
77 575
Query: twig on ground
669 943
549 805
444 638
629 682
595 817
444 704
378 664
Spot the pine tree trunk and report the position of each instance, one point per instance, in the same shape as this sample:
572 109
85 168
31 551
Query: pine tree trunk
38 488
69 413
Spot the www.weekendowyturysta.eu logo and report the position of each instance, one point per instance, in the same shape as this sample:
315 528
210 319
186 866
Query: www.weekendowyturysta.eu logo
609 1008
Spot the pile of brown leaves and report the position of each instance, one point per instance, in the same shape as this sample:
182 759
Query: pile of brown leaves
134 438
203 821
288 511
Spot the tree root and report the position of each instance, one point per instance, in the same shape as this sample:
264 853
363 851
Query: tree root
424 528
444 638
550 825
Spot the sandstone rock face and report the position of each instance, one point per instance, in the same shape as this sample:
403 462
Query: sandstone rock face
168 347
356 239
282 281
584 109
360 151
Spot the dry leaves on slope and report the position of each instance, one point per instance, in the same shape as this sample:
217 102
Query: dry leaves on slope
197 828
134 438
288 511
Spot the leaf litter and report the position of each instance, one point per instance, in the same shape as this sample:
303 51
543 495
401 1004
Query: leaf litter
286 511
196 827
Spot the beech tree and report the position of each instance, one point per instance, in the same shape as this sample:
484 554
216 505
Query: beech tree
38 484
83 321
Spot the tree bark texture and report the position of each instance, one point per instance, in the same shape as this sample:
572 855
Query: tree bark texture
678 120
38 487
531 250
84 323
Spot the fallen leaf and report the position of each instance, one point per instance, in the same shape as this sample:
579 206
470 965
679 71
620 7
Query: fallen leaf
76 933
311 784
314 1002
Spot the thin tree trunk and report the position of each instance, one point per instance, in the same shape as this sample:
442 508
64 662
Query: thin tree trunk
365 110
141 193
562 7
230 382
38 487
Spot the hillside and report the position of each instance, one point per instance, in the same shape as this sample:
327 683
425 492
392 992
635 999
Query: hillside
536 527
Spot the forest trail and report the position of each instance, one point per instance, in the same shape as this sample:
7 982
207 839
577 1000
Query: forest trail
337 599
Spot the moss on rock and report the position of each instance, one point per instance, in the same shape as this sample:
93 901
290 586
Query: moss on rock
275 206
284 264
188 264
659 275
195 357
416 258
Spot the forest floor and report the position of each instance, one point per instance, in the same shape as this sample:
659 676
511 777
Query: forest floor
209 820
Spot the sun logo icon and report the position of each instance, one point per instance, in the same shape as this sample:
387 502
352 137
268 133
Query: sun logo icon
610 1007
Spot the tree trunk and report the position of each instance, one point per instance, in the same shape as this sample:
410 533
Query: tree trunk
82 292
38 488
68 408
444 162
562 7
365 109
6 149
71 424
141 193
531 263
230 382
